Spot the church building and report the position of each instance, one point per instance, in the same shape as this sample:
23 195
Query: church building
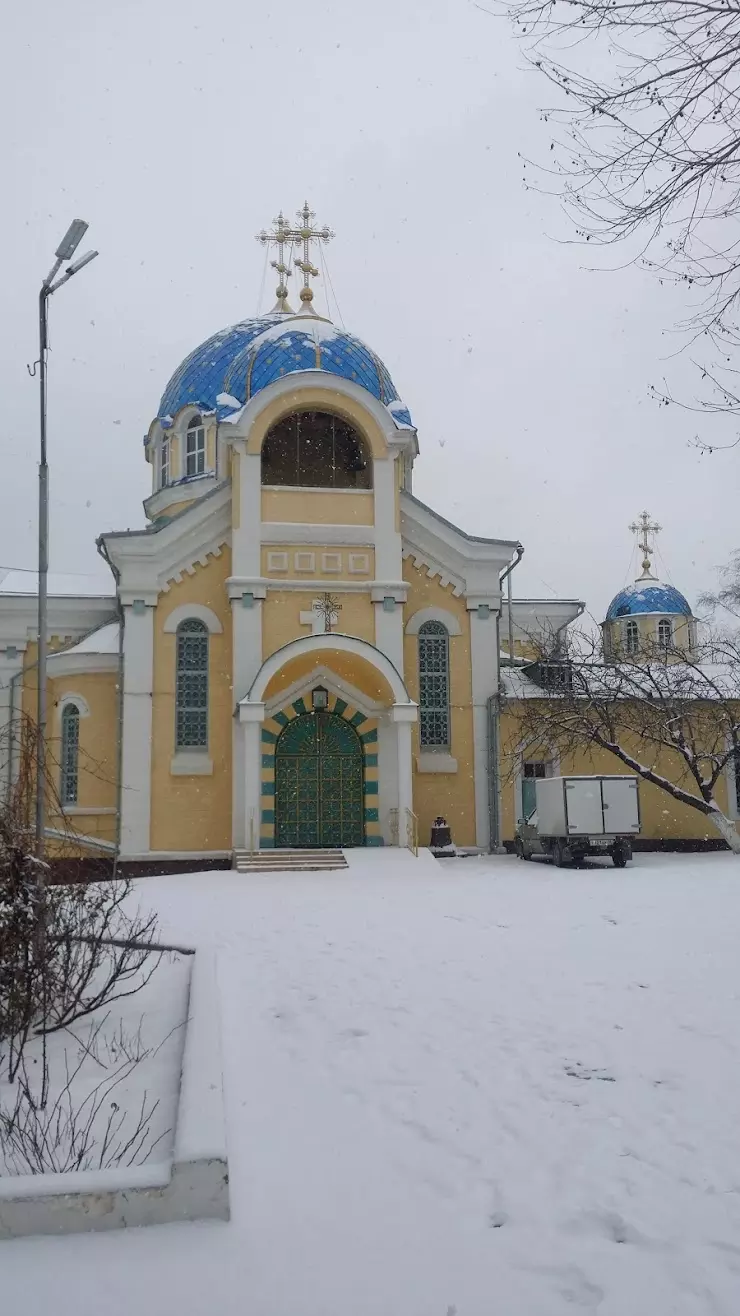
295 651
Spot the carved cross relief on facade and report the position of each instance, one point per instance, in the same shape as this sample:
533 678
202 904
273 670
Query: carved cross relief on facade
324 615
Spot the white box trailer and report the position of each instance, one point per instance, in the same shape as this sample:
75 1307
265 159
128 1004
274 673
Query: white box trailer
581 815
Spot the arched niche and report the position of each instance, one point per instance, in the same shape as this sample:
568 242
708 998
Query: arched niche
312 448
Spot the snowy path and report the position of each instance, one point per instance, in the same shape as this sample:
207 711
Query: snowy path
486 1089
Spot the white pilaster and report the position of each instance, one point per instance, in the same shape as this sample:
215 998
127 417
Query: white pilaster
485 676
251 717
389 624
388 558
136 757
246 660
11 664
387 775
245 538
403 715
246 593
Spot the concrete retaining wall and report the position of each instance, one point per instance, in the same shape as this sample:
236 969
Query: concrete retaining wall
193 1184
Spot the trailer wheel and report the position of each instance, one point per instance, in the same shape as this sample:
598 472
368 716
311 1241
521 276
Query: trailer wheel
620 855
558 854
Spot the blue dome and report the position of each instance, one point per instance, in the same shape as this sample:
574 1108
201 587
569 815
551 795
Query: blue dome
646 596
230 368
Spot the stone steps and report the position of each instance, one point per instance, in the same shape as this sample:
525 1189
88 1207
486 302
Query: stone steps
287 861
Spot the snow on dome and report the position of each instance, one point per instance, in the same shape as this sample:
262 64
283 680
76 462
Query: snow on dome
237 363
647 595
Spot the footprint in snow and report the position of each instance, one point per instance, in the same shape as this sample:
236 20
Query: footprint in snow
578 1070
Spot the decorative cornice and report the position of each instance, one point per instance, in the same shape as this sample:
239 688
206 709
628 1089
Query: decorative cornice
188 568
435 571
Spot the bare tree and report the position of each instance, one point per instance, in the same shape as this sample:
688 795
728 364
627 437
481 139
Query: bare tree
65 950
645 144
671 718
726 598
79 1129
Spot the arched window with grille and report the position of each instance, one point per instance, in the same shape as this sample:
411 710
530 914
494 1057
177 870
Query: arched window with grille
631 637
665 634
191 694
434 686
195 447
70 755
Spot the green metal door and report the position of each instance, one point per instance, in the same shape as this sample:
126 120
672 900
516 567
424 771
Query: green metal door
319 793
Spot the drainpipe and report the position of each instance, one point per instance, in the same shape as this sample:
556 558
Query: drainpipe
100 545
494 717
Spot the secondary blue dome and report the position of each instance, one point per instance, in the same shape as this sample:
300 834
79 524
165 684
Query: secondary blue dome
235 364
647 596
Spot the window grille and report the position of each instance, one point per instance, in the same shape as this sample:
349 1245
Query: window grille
191 697
164 464
195 449
434 686
70 754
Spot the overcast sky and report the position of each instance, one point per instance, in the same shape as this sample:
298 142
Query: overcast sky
179 129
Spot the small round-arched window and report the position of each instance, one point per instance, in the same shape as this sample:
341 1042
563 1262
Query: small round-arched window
631 637
315 450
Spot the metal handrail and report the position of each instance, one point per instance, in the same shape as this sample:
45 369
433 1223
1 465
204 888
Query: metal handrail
412 833
412 830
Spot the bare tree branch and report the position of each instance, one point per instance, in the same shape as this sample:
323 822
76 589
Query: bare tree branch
645 146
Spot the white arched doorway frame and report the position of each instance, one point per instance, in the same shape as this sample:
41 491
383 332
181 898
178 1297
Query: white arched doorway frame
399 716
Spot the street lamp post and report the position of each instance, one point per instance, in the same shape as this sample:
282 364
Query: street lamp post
64 252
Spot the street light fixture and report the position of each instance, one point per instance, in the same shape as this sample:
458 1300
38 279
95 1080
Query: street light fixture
64 252
72 239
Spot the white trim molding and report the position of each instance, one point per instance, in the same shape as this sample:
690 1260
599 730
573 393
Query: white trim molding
428 761
190 612
448 620
323 675
70 697
308 644
191 763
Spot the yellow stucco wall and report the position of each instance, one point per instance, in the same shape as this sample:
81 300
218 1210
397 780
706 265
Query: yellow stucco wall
662 817
281 616
319 506
452 794
347 667
193 812
95 811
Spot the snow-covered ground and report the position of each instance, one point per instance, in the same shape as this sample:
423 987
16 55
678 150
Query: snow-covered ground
479 1088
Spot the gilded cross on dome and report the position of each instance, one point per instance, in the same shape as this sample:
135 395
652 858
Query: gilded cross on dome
643 527
277 237
302 236
306 233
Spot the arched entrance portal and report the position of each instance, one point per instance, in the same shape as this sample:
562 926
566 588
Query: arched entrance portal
319 790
